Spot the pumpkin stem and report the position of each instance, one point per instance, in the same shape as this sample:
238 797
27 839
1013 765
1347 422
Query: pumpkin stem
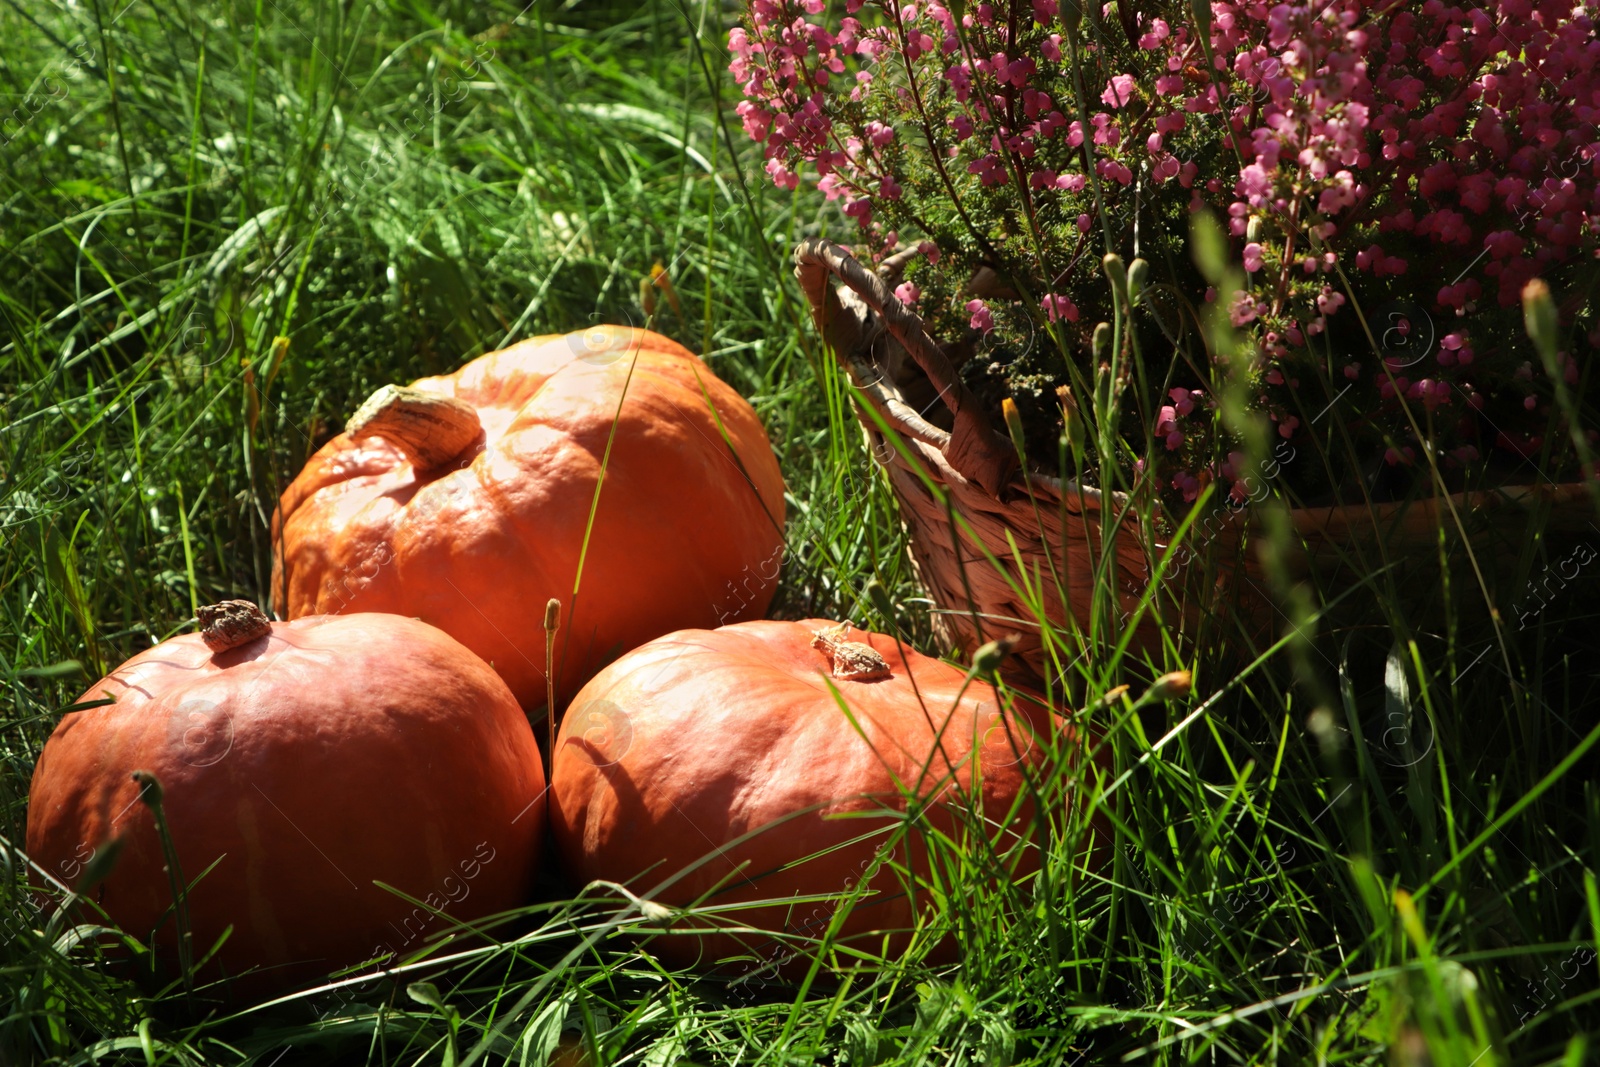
430 429
231 623
850 660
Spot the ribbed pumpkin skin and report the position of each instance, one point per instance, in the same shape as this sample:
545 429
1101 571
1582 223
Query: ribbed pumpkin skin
699 737
683 536
331 753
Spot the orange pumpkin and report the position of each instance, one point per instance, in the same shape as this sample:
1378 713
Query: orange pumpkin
466 500
307 760
686 745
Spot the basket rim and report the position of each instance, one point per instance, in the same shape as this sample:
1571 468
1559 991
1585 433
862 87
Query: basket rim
891 404
846 314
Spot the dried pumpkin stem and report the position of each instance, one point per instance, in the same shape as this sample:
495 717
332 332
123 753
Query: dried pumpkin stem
430 429
232 623
851 660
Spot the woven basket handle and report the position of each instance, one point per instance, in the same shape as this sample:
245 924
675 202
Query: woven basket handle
976 452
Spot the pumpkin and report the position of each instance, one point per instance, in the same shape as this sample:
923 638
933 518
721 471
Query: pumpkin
732 744
466 501
306 760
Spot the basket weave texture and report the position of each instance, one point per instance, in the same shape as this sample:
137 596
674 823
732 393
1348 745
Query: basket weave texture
1005 538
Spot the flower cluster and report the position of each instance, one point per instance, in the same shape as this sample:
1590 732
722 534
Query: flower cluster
1390 174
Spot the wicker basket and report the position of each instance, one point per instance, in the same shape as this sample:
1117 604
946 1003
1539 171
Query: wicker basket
1032 531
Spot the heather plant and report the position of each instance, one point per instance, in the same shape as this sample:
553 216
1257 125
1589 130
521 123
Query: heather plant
1390 177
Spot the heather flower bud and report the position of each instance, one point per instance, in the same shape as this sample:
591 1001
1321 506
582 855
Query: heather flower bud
988 658
1071 421
1008 408
1174 685
150 790
1542 320
1138 276
1116 271
1102 340
1113 696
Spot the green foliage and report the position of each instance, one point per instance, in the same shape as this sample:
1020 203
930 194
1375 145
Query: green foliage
1370 841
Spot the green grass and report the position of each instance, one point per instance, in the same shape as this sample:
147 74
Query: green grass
1377 843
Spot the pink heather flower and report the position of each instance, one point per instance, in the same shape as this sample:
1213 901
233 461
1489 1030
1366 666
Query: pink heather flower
782 177
929 251
757 120
1453 130
982 317
1018 72
1167 428
1159 31
1106 132
1057 307
1254 182
988 169
960 79
1243 309
1119 90
1083 223
1184 399
907 293
1338 196
1115 171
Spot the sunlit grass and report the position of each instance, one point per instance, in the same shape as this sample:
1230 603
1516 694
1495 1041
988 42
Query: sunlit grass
1363 839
